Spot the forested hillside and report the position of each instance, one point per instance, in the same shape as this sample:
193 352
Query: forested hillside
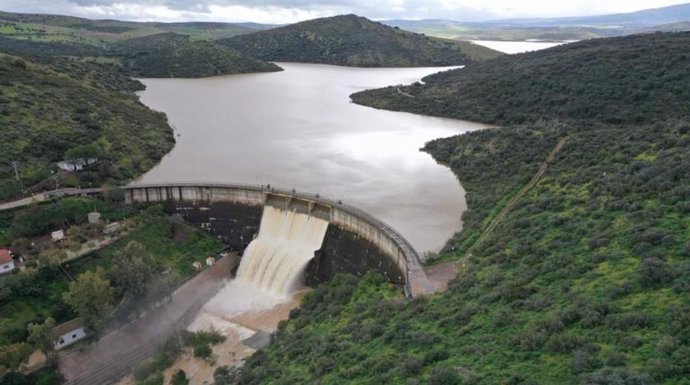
60 105
584 281
172 55
355 41
632 79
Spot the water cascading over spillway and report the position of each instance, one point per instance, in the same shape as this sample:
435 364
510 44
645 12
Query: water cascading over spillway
275 261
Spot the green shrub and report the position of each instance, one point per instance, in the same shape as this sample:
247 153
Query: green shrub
444 376
154 379
609 376
179 378
203 351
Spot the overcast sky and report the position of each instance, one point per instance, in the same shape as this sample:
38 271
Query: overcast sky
288 11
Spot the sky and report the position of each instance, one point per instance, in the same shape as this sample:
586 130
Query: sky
290 11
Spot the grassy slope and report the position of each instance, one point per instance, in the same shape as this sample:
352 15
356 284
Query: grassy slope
355 41
586 280
172 55
81 110
57 28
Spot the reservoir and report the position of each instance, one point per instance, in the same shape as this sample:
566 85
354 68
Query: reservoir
298 129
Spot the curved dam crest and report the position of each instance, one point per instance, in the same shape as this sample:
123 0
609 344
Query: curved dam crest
350 240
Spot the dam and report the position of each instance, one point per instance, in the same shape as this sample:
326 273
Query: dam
282 230
287 240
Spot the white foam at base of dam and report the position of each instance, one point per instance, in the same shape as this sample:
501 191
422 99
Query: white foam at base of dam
275 261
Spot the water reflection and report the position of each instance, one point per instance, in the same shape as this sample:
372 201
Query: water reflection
298 129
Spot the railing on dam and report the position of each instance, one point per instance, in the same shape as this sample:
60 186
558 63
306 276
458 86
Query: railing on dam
416 280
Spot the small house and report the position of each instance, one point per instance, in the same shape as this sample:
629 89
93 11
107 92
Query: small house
210 261
76 164
57 236
6 261
197 265
69 333
94 217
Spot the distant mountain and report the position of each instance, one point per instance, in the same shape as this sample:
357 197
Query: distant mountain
647 17
567 28
355 41
672 27
173 55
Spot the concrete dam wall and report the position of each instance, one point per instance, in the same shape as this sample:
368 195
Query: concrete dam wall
354 242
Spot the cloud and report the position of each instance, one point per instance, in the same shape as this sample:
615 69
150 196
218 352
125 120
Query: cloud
287 11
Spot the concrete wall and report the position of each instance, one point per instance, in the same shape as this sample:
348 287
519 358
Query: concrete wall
233 213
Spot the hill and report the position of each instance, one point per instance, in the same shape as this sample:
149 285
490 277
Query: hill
58 28
173 55
574 257
355 41
553 29
632 79
451 29
645 17
55 105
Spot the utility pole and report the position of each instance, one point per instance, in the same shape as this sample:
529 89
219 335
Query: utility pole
15 166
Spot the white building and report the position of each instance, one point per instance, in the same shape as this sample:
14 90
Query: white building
6 261
58 235
76 164
69 333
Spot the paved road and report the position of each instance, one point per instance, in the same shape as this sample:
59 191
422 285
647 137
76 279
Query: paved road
22 202
40 197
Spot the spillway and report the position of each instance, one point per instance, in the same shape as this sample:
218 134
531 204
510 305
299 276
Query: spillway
275 261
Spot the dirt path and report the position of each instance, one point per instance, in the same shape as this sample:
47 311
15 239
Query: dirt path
441 274
520 194
403 93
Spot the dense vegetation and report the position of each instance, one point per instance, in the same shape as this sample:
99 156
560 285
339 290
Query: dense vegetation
172 55
45 112
585 281
355 41
633 79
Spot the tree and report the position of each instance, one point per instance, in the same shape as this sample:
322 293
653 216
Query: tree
161 288
11 356
133 272
52 258
22 246
225 375
91 296
42 336
179 378
84 153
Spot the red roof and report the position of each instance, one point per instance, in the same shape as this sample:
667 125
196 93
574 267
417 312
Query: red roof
5 256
